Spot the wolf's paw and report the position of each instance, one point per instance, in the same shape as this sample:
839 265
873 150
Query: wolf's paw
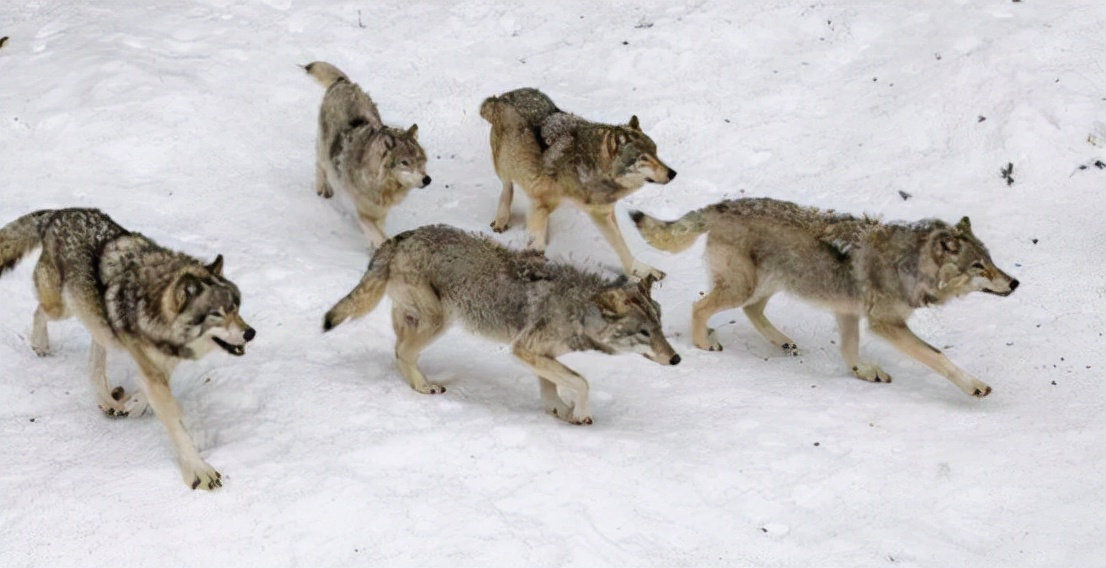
640 270
325 191
978 388
202 476
500 225
712 343
41 350
871 373
431 388
120 405
790 349
566 413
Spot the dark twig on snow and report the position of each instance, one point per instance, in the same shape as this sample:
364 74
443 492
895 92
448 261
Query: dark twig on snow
359 24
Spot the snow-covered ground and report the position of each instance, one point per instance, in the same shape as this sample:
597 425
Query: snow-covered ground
189 121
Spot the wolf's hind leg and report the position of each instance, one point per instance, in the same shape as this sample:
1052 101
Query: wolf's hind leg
554 404
503 211
50 303
321 186
417 324
849 327
755 312
113 402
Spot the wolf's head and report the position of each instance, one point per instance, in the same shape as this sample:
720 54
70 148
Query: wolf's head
963 264
627 319
203 309
633 157
396 154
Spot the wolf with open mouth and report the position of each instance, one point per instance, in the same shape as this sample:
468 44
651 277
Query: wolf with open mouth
158 305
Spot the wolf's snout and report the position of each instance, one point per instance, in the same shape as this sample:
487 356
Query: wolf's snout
1014 284
249 334
671 176
425 181
675 360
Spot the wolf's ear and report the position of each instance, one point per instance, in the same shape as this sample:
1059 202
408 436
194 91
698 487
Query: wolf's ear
610 143
612 302
965 226
634 123
187 288
646 285
216 267
413 132
389 142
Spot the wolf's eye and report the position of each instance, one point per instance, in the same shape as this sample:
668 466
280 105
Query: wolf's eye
644 333
404 163
978 266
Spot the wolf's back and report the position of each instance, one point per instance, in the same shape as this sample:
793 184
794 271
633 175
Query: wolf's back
20 237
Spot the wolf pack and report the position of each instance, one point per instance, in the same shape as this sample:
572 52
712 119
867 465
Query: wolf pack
162 306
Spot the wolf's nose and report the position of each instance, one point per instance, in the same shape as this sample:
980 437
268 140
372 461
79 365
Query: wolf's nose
675 360
671 174
249 334
1014 284
425 181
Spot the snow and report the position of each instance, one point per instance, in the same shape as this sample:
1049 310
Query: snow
189 121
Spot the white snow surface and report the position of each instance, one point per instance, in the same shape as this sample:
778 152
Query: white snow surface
190 122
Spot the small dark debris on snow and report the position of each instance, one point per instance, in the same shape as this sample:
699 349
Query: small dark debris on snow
643 25
763 530
1034 241
624 42
938 56
726 120
981 118
874 79
816 444
32 420
1007 173
1100 164
1009 343
904 195
1053 383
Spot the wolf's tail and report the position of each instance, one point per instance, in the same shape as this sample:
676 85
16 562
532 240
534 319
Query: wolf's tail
325 73
671 236
20 237
490 107
367 294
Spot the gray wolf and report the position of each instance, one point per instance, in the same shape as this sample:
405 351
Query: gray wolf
854 266
158 305
436 274
374 164
556 156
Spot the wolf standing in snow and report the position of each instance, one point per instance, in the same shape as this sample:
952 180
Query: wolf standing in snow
376 165
556 156
158 305
855 267
436 274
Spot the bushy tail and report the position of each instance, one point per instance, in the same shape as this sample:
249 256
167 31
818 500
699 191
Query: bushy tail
20 237
489 108
325 73
367 294
671 236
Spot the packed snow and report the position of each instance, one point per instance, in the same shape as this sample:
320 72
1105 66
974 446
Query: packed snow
190 122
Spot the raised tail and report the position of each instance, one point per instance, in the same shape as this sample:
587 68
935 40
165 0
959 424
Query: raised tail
489 108
20 237
367 294
325 73
671 236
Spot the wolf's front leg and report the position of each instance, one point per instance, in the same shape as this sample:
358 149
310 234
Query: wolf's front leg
899 335
196 472
603 217
113 402
321 186
503 211
554 374
849 327
40 338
